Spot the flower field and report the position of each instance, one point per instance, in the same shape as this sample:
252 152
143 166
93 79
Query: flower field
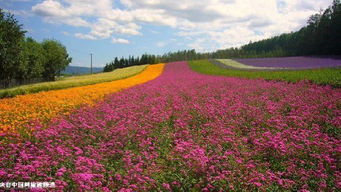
293 62
229 63
73 81
185 131
325 76
18 112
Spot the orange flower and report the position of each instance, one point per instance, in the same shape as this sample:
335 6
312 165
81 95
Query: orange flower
17 112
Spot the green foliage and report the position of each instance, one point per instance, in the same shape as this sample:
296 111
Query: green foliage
33 60
23 59
73 81
11 37
182 56
56 59
319 76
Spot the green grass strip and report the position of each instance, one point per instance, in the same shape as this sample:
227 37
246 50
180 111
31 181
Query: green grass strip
326 76
73 81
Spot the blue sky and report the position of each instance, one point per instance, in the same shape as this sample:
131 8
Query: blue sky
116 28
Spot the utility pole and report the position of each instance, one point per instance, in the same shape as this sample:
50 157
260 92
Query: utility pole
91 61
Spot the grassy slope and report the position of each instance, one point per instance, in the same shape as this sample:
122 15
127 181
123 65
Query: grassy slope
74 81
319 76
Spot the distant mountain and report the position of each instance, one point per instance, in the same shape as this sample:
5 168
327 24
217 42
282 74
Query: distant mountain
75 70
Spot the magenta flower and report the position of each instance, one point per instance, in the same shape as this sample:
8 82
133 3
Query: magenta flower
187 131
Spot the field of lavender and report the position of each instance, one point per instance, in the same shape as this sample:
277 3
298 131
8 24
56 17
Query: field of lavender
185 131
294 62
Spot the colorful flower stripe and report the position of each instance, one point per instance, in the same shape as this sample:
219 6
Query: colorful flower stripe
293 62
236 65
190 132
17 112
73 81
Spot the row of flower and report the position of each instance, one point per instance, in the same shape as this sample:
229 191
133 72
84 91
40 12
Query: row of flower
293 62
188 132
19 112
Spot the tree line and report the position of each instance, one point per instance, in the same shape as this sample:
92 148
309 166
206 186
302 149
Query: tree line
321 36
23 58
152 59
130 61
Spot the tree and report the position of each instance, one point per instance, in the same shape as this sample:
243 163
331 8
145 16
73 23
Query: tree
56 59
335 28
33 59
11 37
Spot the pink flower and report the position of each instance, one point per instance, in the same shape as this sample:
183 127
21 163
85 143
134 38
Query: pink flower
61 171
166 186
257 184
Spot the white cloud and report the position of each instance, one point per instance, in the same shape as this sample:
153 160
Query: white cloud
85 36
161 44
119 41
210 24
19 12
